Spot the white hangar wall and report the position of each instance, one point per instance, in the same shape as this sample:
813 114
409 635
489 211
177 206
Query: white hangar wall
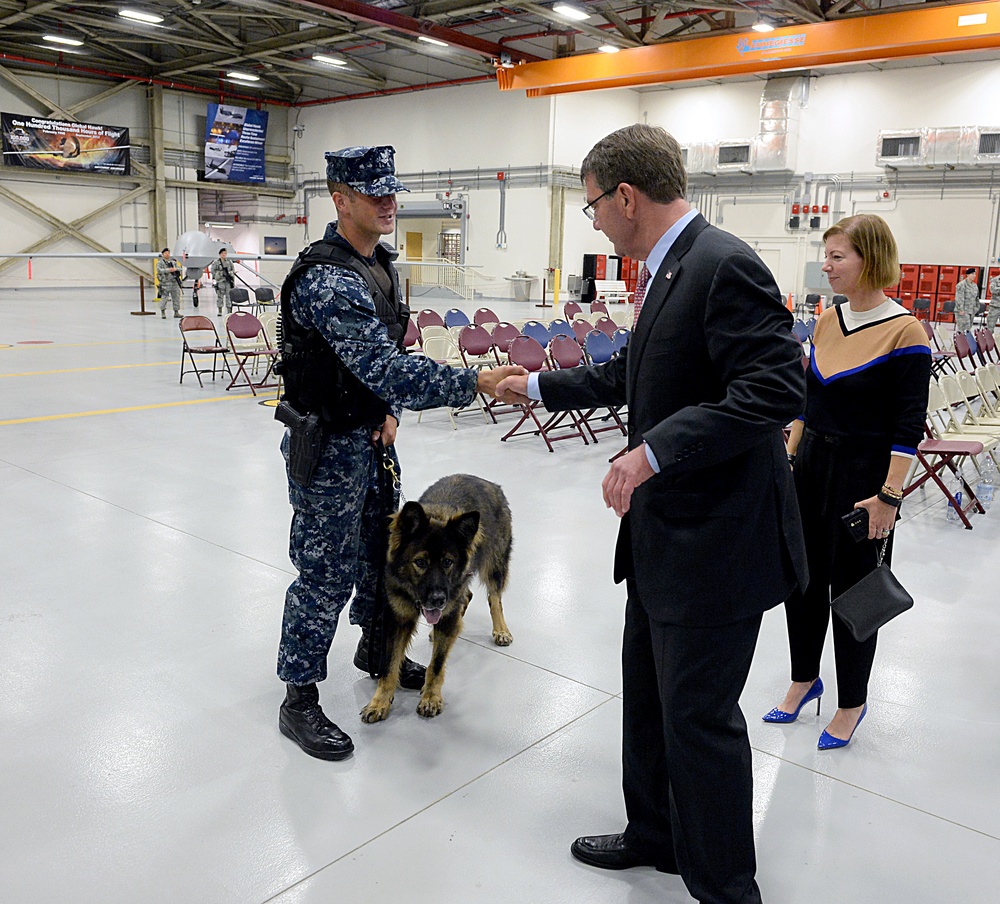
478 127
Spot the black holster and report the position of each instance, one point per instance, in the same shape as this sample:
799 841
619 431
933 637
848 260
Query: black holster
305 442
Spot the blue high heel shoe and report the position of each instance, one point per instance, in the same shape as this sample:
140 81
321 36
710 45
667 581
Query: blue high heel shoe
780 716
829 742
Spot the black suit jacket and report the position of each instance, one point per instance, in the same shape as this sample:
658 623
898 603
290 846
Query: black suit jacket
711 375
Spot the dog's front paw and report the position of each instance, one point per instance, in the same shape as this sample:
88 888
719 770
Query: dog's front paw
375 711
430 705
503 638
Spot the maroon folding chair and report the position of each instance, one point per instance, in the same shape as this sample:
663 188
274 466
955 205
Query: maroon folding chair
249 343
531 356
200 337
475 345
941 360
571 309
934 455
964 353
503 335
580 330
606 325
987 346
598 307
411 341
427 317
484 315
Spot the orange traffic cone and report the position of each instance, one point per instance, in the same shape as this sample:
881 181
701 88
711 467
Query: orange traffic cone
819 306
789 305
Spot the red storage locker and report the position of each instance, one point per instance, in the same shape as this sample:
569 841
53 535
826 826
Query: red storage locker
927 280
892 291
908 280
601 267
906 300
947 278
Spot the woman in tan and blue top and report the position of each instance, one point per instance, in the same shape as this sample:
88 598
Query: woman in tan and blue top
866 401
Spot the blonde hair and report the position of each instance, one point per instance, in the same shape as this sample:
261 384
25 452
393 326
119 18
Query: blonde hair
871 237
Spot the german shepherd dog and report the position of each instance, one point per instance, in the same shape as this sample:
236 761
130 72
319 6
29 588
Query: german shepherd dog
461 526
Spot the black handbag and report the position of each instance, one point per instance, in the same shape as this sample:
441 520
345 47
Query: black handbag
876 599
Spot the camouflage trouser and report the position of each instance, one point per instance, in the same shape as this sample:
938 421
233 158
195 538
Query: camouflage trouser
336 535
222 298
963 322
992 315
171 292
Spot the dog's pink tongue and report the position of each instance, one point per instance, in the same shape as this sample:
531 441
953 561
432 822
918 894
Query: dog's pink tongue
433 616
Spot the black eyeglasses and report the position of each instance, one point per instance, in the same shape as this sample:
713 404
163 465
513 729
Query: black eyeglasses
589 209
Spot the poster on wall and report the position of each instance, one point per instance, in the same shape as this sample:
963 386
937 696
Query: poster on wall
234 144
57 144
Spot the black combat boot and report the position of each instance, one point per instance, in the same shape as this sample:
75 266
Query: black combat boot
302 720
411 674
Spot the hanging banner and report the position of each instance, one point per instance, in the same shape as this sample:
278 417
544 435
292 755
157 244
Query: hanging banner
56 144
234 143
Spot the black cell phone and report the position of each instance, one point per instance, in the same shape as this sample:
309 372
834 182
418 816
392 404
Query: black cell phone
856 523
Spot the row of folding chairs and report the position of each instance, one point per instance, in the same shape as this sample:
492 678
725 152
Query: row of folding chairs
252 344
963 424
263 298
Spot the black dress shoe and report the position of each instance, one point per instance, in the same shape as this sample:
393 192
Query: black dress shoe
611 852
411 674
302 720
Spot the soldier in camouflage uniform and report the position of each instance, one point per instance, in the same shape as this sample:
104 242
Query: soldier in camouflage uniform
966 301
994 311
168 275
337 533
224 273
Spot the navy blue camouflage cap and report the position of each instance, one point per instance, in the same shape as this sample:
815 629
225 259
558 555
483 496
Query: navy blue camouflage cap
371 171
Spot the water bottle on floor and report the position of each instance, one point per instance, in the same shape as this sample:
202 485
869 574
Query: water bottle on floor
956 490
987 478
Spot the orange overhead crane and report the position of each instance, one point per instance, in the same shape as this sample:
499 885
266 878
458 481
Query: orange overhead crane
914 33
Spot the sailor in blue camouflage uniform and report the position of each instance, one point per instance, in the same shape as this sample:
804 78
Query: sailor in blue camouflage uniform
341 303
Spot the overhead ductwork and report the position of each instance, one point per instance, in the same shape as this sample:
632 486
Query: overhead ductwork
939 148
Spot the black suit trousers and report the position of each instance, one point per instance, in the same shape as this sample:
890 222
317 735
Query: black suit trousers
687 772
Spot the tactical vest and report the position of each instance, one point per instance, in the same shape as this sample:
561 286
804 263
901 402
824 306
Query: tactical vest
316 381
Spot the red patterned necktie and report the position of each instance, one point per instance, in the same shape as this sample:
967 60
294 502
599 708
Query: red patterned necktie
640 293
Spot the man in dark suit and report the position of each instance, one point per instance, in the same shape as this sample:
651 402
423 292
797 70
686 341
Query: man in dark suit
710 535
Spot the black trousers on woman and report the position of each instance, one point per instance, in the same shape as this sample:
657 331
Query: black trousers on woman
831 474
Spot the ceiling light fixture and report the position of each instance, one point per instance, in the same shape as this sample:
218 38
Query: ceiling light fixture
220 226
137 15
762 25
329 60
433 41
59 39
608 48
571 12
242 77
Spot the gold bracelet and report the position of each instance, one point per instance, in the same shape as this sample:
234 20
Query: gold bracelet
889 491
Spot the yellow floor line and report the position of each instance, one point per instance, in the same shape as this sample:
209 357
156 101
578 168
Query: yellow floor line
77 370
87 344
59 417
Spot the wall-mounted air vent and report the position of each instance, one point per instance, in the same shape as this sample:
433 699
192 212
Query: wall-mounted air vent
989 144
684 157
908 146
734 154
901 149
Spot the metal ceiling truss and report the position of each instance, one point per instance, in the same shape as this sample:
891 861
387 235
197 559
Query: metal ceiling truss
200 41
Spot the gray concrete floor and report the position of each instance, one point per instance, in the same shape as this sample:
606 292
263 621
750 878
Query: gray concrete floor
144 565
